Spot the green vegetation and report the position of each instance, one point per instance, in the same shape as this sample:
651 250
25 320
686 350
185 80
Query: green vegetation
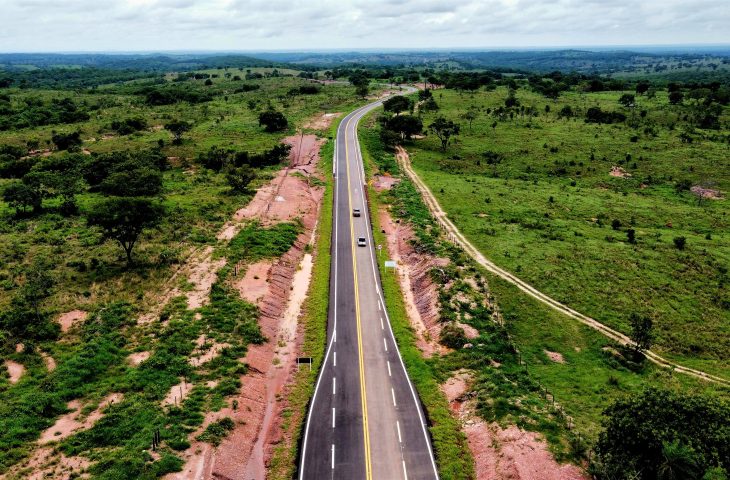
530 186
157 167
516 381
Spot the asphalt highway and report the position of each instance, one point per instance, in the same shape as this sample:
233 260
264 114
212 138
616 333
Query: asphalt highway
365 420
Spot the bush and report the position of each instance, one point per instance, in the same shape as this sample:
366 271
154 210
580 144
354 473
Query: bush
679 242
656 430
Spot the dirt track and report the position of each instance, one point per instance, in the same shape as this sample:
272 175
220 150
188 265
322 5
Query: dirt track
458 238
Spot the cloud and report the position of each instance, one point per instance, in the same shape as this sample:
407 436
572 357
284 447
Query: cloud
94 25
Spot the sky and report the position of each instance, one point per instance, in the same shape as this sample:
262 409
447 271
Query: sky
230 25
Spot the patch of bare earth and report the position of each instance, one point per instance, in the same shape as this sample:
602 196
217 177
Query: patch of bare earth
502 453
244 453
321 121
706 193
136 358
49 361
619 172
421 294
253 285
287 196
73 422
554 356
48 464
69 319
177 393
15 370
384 182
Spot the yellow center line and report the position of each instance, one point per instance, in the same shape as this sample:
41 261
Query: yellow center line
363 393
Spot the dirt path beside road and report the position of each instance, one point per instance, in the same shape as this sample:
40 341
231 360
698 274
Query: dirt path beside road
458 238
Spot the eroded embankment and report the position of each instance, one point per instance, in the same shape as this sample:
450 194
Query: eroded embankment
278 287
498 452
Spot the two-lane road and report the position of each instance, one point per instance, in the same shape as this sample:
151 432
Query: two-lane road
365 420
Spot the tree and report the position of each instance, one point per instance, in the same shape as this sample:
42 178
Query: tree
24 319
405 125
662 431
398 104
627 100
642 87
22 197
631 236
642 331
680 242
429 105
240 177
470 115
124 219
444 130
677 462
273 121
361 83
71 141
178 128
136 182
676 97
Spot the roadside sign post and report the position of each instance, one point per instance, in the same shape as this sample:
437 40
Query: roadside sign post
307 360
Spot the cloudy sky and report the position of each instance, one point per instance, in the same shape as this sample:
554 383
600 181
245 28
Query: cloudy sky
144 25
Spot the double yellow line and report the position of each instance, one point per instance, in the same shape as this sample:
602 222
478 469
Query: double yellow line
363 393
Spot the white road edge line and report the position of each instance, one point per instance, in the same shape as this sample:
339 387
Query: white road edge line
334 316
390 328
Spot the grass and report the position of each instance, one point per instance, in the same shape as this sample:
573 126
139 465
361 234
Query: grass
452 453
513 392
542 204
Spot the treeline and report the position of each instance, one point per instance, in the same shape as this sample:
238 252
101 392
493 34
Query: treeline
35 112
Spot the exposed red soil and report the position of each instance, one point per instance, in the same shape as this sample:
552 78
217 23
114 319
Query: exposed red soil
619 172
136 358
421 294
69 319
15 370
384 182
469 331
503 453
244 453
70 423
49 361
177 393
321 121
203 275
253 285
49 464
287 196
708 193
555 356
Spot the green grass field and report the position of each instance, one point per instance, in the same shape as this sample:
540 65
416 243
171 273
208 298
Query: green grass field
541 204
588 381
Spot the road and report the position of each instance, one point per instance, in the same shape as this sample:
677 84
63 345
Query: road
365 420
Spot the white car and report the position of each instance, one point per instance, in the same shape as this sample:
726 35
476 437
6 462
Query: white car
355 212
361 242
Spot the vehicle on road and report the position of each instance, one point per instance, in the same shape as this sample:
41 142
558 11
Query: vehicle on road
355 212
361 242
